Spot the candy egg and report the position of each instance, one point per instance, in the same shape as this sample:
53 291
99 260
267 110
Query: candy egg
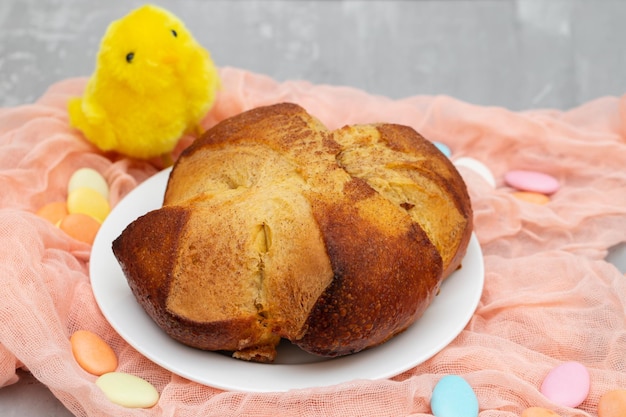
532 181
80 226
478 167
90 178
92 353
453 397
88 201
567 384
128 390
443 148
539 412
612 404
53 212
532 197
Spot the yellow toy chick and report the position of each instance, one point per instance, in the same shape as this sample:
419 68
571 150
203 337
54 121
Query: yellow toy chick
152 83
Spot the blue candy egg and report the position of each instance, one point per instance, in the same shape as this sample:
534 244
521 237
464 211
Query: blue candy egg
443 148
453 397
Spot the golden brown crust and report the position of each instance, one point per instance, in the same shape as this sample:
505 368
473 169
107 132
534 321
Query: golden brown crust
274 227
148 264
150 267
386 271
411 172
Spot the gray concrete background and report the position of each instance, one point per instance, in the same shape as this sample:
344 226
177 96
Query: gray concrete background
516 54
522 54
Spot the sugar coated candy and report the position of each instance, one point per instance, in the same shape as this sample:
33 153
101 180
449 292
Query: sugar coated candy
453 397
80 226
532 197
532 181
567 385
88 201
128 390
539 412
86 206
89 178
92 353
612 404
443 148
53 212
478 167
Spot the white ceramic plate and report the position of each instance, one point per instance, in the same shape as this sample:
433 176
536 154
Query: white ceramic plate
442 322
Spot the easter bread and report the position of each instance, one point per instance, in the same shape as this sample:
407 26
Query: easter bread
273 226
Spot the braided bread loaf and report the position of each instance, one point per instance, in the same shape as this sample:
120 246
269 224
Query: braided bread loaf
274 227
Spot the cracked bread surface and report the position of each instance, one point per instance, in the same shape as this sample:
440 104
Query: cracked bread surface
274 227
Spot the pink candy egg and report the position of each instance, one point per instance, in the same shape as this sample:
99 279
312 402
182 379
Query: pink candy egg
532 181
567 384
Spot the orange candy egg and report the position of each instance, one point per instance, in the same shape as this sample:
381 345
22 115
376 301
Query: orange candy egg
86 207
612 404
92 353
53 212
539 412
80 226
532 197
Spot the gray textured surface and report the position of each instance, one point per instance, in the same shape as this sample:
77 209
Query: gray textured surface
515 54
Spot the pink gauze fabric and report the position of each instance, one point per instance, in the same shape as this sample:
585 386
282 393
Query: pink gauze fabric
549 295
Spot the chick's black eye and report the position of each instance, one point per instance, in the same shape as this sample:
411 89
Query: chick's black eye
174 33
129 57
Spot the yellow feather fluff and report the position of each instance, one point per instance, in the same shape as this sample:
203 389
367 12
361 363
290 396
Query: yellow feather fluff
152 83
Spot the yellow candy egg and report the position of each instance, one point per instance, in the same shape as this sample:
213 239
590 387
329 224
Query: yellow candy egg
128 390
89 178
88 201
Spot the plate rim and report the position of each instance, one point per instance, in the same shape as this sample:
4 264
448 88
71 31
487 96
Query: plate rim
323 373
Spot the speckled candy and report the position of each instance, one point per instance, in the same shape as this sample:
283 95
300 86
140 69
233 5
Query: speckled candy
453 397
128 390
567 384
612 404
532 181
